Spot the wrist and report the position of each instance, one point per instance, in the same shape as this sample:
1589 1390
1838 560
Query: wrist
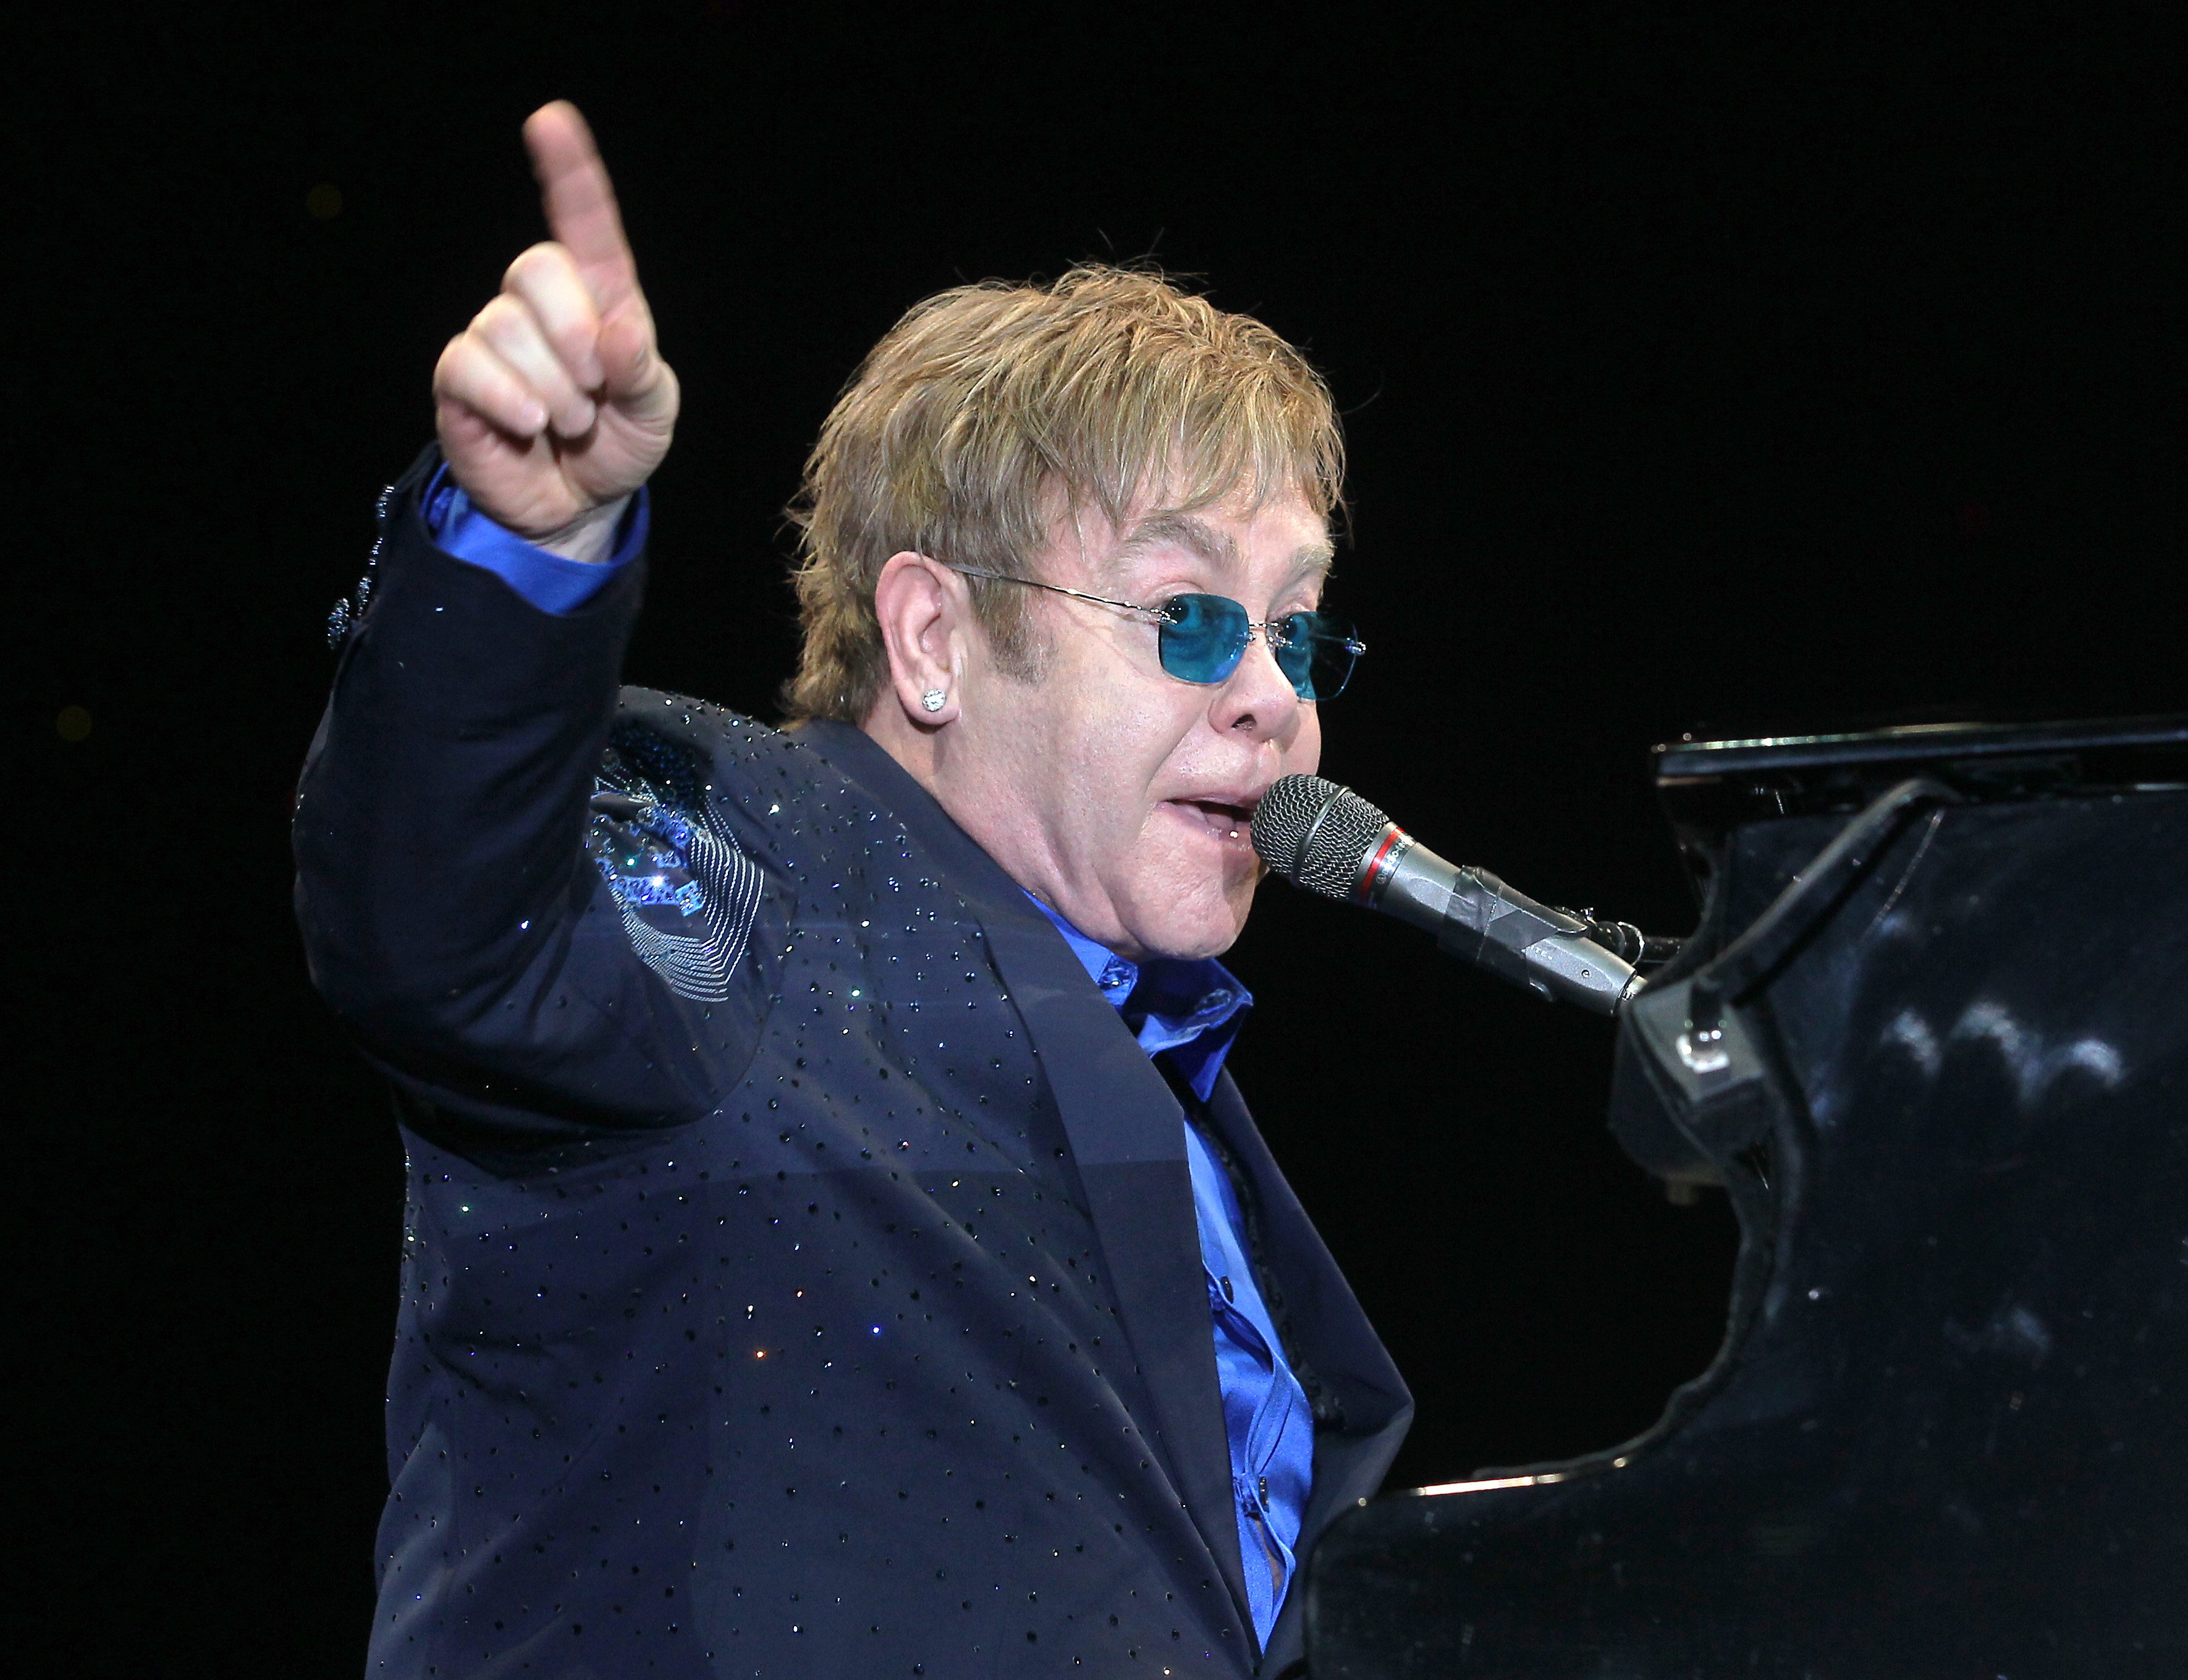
590 538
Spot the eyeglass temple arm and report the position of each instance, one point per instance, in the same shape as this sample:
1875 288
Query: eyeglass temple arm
1055 589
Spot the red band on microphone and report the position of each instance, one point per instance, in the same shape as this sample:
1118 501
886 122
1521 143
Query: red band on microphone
1392 836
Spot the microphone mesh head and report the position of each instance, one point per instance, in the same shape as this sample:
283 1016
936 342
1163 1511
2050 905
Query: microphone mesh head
1315 833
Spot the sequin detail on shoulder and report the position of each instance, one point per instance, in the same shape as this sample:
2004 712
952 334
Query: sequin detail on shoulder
687 891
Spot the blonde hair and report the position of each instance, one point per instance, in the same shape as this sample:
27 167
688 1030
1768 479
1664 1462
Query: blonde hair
989 410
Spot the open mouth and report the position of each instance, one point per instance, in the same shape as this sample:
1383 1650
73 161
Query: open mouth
1222 819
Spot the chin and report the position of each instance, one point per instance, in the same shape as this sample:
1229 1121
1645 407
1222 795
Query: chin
1191 924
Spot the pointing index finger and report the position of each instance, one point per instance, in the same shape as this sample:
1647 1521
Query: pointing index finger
579 201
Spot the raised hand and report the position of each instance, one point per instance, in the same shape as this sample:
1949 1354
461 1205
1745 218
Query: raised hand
554 403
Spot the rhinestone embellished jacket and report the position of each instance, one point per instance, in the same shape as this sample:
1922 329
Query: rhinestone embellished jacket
800 1269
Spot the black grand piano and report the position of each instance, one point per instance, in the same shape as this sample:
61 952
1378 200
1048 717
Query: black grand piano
1932 1039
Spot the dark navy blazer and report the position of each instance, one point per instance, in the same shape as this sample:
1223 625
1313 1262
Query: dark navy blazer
800 1266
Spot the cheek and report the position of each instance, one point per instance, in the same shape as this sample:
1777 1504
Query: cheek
1136 746
1072 738
1303 756
1101 764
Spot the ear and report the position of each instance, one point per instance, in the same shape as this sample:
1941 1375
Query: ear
926 616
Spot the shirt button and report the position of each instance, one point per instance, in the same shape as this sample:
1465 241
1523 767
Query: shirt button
1228 1294
1265 1493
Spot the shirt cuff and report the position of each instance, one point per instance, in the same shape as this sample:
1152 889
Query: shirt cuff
551 582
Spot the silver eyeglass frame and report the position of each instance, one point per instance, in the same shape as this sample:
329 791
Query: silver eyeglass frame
1154 615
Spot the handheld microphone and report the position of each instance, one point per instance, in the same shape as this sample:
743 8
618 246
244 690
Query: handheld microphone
1330 840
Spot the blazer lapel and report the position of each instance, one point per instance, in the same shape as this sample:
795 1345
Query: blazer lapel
1127 1136
1337 1342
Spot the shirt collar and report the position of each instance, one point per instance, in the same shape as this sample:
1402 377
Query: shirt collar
1189 1008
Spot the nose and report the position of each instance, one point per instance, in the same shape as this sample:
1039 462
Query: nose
1258 700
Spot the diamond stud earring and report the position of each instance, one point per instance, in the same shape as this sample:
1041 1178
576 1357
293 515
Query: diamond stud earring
932 699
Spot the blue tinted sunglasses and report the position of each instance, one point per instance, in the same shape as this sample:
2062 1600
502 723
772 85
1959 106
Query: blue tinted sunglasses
1201 639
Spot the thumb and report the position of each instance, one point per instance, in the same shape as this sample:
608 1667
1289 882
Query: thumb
633 377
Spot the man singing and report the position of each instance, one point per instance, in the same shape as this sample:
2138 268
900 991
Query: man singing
835 1246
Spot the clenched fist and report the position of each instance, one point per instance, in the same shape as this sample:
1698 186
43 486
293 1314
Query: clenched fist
553 404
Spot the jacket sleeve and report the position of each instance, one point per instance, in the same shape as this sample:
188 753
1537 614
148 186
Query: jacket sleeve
450 910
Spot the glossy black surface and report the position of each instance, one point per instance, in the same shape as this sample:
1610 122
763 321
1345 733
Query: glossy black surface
1711 787
1947 1433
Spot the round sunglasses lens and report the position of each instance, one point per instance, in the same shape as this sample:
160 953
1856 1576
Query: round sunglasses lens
1201 637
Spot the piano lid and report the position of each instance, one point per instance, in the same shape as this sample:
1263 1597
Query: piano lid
1711 787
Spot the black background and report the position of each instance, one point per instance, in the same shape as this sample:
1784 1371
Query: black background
1703 372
